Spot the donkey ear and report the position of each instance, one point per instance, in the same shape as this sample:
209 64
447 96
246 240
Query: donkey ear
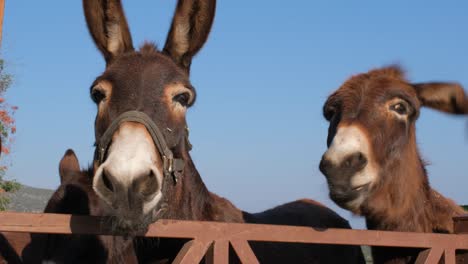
68 166
189 30
108 27
446 97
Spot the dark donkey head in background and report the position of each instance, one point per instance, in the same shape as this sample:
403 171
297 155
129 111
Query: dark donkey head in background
75 196
372 164
142 97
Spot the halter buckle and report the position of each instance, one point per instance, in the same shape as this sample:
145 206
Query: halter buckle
168 164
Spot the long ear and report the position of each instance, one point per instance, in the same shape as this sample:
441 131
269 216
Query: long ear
446 97
68 166
190 28
108 27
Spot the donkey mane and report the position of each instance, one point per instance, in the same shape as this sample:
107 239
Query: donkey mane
392 71
406 193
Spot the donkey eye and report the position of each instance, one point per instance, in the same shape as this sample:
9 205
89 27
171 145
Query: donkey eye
400 108
182 99
97 95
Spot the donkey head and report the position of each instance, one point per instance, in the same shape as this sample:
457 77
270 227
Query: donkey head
372 129
133 163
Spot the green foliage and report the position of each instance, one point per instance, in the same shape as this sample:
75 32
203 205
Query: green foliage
7 122
465 207
5 78
10 186
6 186
4 201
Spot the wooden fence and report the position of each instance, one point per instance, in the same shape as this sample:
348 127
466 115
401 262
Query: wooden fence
212 239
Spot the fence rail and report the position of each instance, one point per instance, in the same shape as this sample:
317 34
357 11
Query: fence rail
213 238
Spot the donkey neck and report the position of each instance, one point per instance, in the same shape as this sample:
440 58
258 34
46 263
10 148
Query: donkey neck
402 201
409 205
406 202
189 199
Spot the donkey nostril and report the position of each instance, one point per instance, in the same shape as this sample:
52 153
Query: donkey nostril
361 157
107 182
355 161
147 185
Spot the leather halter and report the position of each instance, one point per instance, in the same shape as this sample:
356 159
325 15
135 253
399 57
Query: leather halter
171 166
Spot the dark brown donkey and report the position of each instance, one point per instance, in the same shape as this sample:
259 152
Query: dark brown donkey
74 196
372 164
142 170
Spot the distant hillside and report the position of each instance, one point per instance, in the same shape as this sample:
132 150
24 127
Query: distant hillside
29 199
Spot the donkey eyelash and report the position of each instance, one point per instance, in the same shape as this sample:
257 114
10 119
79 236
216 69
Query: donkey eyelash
401 107
183 99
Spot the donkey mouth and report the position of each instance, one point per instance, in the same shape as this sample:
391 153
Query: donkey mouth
362 187
342 195
342 198
128 224
125 227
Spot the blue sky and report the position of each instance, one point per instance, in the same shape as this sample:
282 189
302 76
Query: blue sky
261 80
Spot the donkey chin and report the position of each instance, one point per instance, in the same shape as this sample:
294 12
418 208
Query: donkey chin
131 205
350 199
132 220
350 193
119 225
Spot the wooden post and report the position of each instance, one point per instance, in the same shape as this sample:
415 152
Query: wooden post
2 12
461 227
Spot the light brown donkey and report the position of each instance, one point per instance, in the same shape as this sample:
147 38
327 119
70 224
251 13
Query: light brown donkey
372 164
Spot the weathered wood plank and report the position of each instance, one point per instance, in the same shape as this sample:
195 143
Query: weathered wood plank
244 252
192 252
66 224
461 224
430 256
218 253
449 256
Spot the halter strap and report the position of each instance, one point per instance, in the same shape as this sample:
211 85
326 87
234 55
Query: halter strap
171 166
